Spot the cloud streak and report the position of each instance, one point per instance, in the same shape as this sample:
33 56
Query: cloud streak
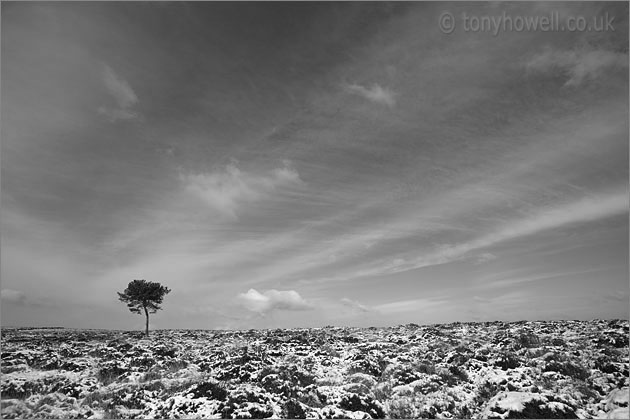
376 93
353 304
582 211
485 257
410 305
588 209
18 297
580 66
13 296
538 277
123 95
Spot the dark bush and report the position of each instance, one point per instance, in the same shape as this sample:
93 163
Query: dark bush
507 361
67 388
19 391
365 403
403 375
535 410
154 386
276 385
455 375
175 365
294 410
605 366
425 367
558 342
462 355
210 390
367 363
486 391
240 398
287 380
72 366
613 339
165 351
529 340
133 400
567 368
110 373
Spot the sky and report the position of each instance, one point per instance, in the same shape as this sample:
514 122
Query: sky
283 165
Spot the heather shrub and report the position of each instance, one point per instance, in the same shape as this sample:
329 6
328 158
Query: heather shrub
555 362
529 340
507 360
404 408
365 403
211 390
293 410
453 375
110 373
151 376
567 368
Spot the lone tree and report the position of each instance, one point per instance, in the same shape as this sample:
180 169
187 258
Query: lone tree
143 295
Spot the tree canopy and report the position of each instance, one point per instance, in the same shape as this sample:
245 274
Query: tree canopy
142 295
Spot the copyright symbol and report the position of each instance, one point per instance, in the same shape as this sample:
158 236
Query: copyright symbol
447 23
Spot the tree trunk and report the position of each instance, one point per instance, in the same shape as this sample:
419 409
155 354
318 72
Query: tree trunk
146 313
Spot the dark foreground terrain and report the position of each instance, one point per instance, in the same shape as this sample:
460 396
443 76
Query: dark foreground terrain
561 369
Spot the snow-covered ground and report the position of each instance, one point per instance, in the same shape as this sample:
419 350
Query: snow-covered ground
559 369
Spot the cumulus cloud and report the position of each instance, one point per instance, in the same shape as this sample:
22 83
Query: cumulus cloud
376 94
123 95
353 304
271 300
226 189
579 65
13 296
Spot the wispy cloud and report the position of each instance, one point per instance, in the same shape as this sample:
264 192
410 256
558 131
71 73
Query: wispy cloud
353 304
271 300
13 296
616 296
20 298
123 95
485 257
585 210
506 301
225 190
408 305
580 66
506 282
376 93
588 209
347 247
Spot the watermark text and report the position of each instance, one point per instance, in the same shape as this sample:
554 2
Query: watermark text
505 22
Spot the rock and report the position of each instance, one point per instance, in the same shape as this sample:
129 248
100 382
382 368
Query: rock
617 398
619 413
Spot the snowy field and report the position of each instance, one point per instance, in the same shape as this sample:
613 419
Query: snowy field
560 369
